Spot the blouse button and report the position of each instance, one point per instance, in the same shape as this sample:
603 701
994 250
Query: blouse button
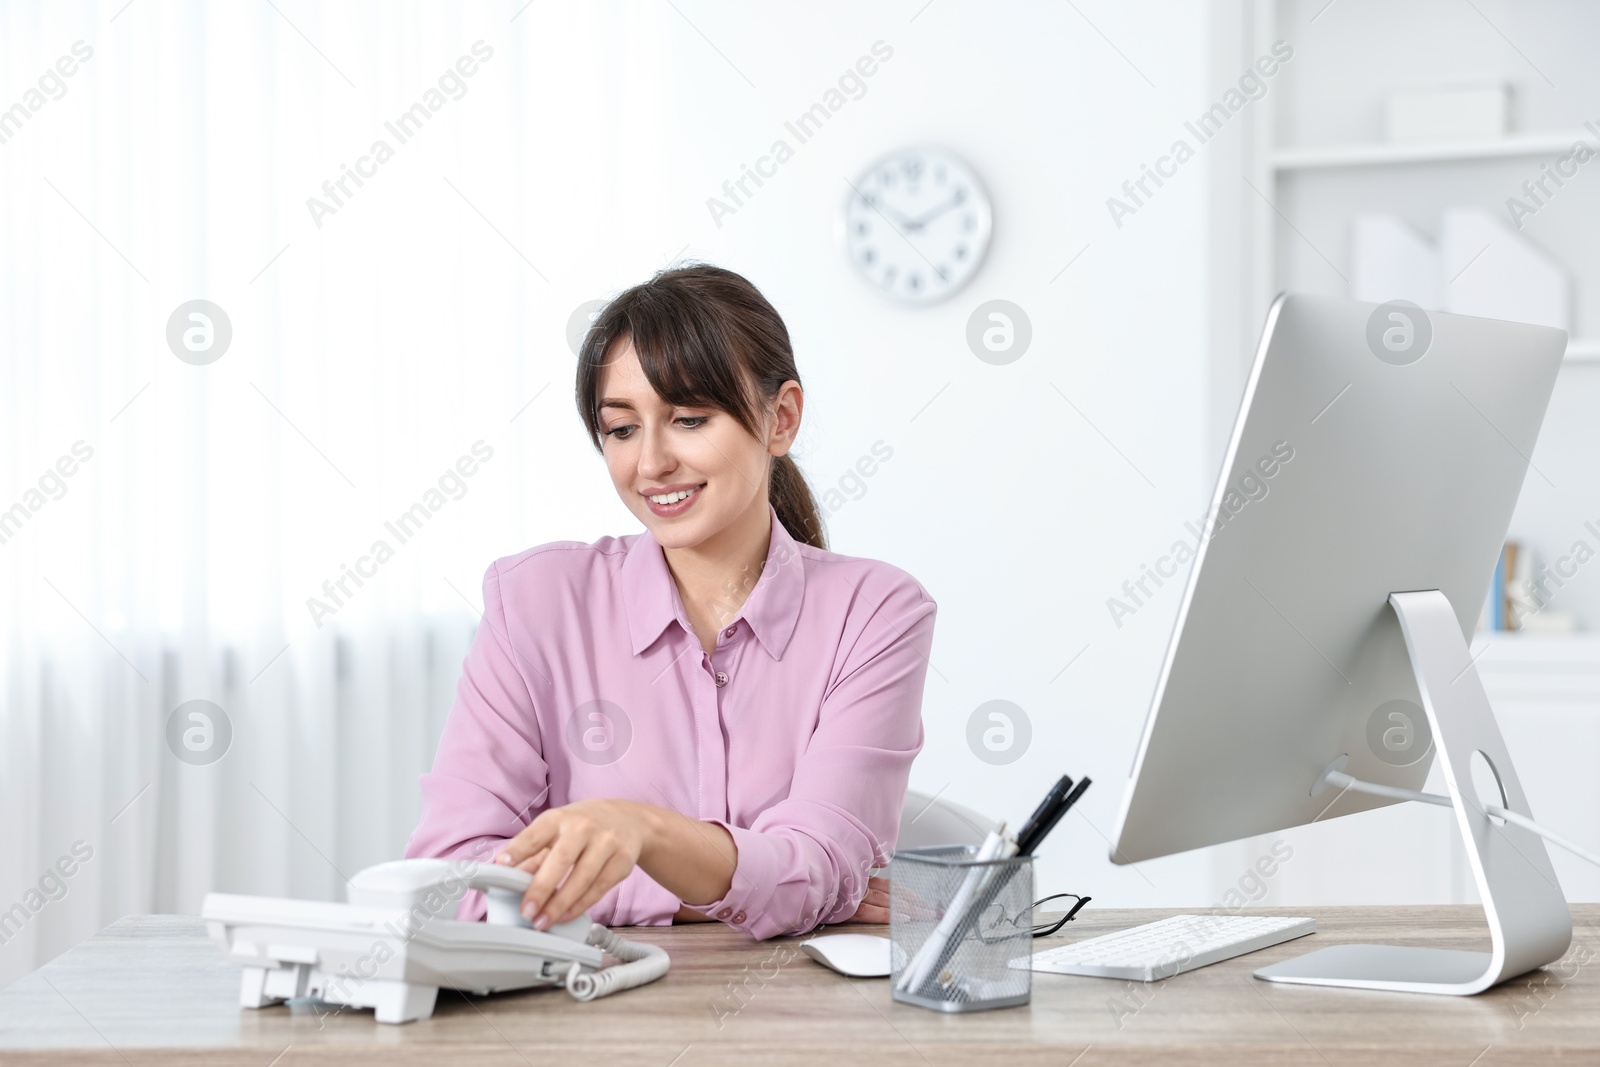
724 913
722 679
739 918
730 631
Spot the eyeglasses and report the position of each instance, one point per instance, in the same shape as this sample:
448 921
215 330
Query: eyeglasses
1046 929
1002 920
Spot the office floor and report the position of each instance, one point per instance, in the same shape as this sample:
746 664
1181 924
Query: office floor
154 989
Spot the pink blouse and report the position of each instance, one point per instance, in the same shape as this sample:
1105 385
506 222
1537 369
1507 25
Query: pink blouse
796 734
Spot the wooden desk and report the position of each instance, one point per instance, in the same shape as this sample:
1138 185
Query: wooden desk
154 990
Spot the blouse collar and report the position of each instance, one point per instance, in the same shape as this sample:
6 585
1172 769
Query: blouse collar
772 609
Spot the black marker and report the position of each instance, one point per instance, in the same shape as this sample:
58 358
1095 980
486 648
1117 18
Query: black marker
1026 845
1030 829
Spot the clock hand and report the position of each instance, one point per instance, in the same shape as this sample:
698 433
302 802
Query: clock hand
923 220
886 210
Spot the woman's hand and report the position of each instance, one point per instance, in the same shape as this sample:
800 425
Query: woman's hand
575 853
874 907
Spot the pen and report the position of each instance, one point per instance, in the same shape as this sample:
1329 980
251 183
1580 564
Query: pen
1025 848
1026 837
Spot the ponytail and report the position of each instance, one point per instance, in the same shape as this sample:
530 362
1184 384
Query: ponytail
792 500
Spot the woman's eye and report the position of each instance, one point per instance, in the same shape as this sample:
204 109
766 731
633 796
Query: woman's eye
687 422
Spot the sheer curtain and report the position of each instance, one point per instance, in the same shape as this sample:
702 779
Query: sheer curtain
290 528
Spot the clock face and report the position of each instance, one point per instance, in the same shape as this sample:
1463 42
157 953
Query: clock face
916 224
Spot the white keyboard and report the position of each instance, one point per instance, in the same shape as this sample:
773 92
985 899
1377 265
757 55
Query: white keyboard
1169 946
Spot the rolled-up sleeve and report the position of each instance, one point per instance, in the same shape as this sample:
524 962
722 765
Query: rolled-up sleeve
804 861
489 776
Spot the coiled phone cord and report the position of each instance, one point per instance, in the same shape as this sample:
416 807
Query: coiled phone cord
641 964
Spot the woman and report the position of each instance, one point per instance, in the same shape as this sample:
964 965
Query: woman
713 719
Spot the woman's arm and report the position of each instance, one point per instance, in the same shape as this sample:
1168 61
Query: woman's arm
805 861
600 841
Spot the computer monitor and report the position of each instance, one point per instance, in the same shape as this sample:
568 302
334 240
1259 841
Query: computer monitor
1379 450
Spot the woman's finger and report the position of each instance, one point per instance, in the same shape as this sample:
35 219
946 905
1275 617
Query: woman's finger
531 863
870 913
538 834
534 862
563 856
589 866
877 892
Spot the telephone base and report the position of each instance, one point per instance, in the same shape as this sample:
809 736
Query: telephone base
385 959
392 948
392 1001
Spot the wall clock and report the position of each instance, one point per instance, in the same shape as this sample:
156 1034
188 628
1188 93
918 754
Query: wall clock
916 224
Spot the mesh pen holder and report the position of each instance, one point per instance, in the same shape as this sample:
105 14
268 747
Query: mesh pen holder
971 971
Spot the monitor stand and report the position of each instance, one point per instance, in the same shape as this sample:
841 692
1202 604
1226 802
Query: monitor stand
1529 923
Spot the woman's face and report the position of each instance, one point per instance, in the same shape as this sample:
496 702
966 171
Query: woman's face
687 473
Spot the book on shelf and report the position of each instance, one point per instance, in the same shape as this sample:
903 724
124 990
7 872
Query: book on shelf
1520 594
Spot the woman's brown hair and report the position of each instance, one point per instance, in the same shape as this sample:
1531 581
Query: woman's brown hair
705 337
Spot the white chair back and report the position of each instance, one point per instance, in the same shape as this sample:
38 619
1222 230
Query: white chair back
929 820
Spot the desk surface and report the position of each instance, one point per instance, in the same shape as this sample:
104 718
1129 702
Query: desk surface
154 989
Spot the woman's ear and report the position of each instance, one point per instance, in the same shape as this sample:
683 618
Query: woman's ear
786 413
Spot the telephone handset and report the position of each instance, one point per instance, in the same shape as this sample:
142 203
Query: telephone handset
396 942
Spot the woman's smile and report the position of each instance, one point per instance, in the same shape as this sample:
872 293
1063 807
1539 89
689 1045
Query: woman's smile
667 501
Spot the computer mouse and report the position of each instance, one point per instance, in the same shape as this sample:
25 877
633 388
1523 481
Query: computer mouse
857 955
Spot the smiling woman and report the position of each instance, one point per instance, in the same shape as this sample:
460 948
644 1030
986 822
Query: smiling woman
695 344
688 745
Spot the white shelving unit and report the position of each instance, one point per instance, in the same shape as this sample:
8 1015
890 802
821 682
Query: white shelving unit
1283 164
1553 145
1274 169
1549 145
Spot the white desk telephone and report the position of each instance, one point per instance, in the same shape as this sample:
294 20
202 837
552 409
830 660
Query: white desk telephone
397 942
